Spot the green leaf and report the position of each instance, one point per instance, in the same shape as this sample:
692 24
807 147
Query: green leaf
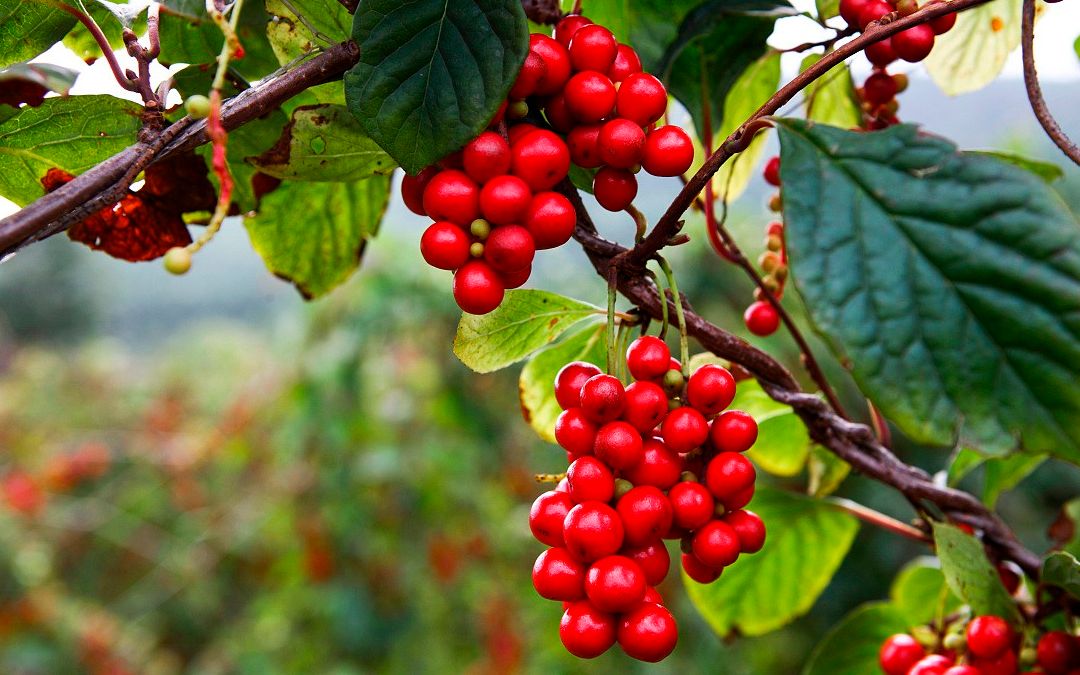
524 322
536 385
783 443
969 574
73 133
291 38
649 25
1061 569
851 647
1001 474
314 234
53 78
82 42
189 35
920 593
28 28
807 540
1070 518
426 99
973 53
324 143
1045 170
1076 47
922 291
826 472
827 9
831 98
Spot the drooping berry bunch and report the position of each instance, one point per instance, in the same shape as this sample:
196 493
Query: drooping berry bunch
658 459
988 645
761 317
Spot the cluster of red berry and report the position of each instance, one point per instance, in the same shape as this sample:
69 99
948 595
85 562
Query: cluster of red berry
988 646
635 455
761 317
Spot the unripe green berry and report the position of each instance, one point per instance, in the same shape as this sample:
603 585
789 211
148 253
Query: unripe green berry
688 477
769 261
775 204
901 81
906 7
197 106
954 641
517 110
480 228
1028 656
178 260
674 381
476 250
622 486
781 273
774 242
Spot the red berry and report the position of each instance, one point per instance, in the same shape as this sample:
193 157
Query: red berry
585 631
593 47
646 406
516 278
850 10
646 514
716 544
592 530
590 96
648 633
615 584
614 189
659 466
529 78
710 389
697 570
988 636
556 64
558 113
740 499
603 398
618 445
541 159
486 156
550 219
944 23
761 318
505 200
963 670
727 475
568 26
621 143
653 559
477 288
749 528
574 432
569 380
881 53
772 172
557 576
582 142
668 151
412 189
509 248
1003 664
879 88
684 429
518 132
647 358
1057 652
691 505
590 480
22 493
733 431
935 664
453 196
547 515
872 11
445 246
914 44
642 99
626 63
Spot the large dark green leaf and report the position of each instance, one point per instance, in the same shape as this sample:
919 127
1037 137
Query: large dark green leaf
851 647
29 27
432 73
950 283
969 574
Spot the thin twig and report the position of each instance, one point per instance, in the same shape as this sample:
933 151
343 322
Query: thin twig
1034 91
103 43
878 519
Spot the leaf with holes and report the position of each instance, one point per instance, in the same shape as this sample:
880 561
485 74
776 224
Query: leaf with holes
969 574
536 386
525 321
917 263
973 53
432 73
807 540
29 27
851 647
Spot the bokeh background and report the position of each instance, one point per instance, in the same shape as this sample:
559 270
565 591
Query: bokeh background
208 475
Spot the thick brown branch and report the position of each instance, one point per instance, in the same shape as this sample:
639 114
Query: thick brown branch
1034 91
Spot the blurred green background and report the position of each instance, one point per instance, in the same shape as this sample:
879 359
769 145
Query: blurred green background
207 475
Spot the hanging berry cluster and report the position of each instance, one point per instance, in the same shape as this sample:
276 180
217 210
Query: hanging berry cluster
636 454
987 646
761 317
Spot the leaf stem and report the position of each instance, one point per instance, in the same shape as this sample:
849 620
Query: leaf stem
878 519
684 341
612 294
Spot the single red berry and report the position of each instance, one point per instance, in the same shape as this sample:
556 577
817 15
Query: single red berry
668 151
772 172
584 150
988 636
590 96
733 431
963 670
505 200
1002 664
614 189
850 10
1057 652
603 398
934 664
914 44
621 143
727 475
575 433
614 584
627 62
646 514
881 53
761 318
593 47
585 631
710 389
879 88
642 99
550 219
569 380
453 196
477 288
684 429
618 444
556 64
412 189
486 156
558 113
716 544
547 515
557 576
568 26
22 493
445 246
646 406
659 466
541 159
648 633
529 77
590 480
872 11
691 505
517 132
697 570
647 358
592 530
749 528
509 248
653 559
943 24
516 278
